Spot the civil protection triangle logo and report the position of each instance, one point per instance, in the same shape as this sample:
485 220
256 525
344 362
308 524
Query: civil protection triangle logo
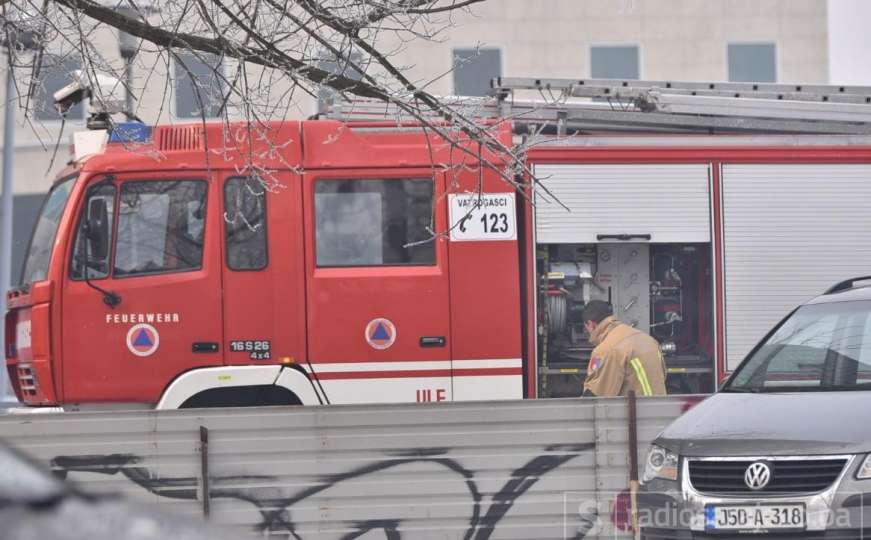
380 333
143 339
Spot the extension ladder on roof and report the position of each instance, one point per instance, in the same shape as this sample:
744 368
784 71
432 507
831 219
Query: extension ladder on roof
613 104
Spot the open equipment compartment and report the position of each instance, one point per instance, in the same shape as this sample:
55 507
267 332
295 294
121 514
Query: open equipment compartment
639 237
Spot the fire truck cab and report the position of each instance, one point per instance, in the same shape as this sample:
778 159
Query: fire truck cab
160 273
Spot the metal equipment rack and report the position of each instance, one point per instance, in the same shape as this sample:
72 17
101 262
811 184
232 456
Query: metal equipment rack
614 104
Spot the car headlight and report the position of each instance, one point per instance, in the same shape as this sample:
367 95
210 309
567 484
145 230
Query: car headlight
660 463
865 470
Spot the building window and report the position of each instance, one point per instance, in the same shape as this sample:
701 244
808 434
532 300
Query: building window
160 227
614 62
199 85
473 69
245 224
341 67
752 62
54 75
373 222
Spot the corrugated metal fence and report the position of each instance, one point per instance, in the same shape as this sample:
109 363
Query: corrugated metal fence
518 469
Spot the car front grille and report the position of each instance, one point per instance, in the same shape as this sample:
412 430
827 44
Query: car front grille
790 476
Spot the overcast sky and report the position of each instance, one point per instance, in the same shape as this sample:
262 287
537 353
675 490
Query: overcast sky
849 42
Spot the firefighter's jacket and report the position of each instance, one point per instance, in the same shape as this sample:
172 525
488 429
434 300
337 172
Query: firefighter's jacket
624 359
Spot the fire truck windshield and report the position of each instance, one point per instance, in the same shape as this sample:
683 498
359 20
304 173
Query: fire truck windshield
42 241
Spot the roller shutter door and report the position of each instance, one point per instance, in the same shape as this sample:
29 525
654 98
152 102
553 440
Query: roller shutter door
671 203
789 232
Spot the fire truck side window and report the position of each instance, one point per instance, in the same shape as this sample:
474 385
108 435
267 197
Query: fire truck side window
97 268
373 222
245 224
160 227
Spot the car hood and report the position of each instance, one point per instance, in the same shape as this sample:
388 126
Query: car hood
802 423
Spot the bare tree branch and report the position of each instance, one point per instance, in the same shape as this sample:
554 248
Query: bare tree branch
268 57
309 46
453 6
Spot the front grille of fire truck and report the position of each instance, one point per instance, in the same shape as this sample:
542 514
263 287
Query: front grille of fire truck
792 476
26 381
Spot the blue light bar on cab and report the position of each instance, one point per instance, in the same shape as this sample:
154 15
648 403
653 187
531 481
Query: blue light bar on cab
130 132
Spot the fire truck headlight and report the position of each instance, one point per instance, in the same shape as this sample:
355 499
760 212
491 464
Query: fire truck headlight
660 463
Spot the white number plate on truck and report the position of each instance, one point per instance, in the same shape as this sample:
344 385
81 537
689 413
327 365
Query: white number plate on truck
755 518
484 216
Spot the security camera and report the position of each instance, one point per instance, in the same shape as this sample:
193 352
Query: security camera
71 95
104 94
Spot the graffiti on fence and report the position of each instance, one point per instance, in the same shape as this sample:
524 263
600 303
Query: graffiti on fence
276 507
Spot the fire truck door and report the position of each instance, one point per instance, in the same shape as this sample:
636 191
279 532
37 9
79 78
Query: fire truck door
264 274
155 254
377 285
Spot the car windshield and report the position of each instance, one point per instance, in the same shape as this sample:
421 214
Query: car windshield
42 241
820 347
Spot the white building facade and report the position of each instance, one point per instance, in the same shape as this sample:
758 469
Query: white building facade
717 40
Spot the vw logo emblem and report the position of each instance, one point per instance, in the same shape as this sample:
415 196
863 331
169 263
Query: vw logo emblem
757 475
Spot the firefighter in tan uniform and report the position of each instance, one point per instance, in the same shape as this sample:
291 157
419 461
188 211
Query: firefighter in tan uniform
624 358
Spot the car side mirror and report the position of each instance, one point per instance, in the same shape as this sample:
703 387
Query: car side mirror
97 229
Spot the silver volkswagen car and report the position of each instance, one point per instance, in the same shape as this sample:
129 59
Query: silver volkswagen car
783 449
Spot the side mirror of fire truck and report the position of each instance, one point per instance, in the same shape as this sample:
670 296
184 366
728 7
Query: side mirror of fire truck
97 229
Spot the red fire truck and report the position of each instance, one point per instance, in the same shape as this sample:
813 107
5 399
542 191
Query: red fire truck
163 273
